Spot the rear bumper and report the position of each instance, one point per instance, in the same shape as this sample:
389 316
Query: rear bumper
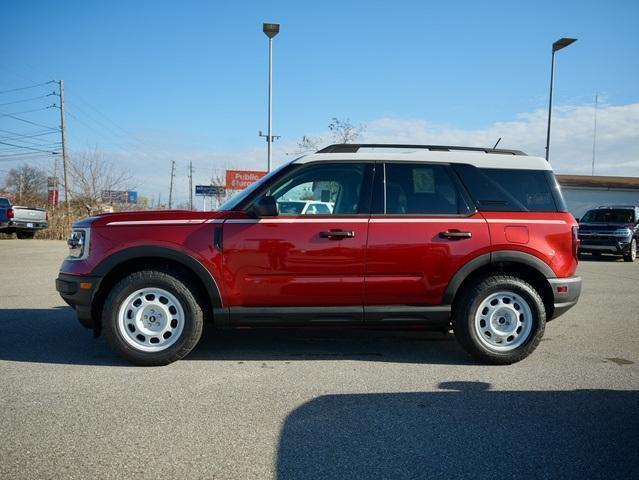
78 292
566 292
20 225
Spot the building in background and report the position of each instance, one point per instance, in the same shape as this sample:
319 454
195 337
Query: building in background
583 192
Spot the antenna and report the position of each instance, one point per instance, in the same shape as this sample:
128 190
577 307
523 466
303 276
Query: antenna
497 143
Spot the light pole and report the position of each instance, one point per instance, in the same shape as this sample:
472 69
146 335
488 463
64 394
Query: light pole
558 45
270 29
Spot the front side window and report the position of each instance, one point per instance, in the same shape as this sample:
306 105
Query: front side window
322 189
422 189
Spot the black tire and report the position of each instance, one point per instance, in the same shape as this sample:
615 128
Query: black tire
190 326
25 235
631 256
467 330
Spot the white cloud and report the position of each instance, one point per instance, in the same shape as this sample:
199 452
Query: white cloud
617 150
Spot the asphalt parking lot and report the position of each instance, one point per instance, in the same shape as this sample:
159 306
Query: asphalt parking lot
316 404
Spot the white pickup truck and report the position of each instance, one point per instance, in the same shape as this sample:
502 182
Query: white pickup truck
23 221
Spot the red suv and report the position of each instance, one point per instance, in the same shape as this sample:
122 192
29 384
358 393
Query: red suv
473 239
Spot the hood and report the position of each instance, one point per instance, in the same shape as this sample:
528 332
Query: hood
151 217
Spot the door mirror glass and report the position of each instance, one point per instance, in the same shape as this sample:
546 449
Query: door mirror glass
265 207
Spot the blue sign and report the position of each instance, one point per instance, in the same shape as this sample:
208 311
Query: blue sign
209 190
132 197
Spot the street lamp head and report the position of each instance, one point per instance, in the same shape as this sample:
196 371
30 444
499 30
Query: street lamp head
271 29
562 43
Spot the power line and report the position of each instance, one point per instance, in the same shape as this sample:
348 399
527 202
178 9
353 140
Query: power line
26 88
30 122
27 148
19 136
27 111
26 100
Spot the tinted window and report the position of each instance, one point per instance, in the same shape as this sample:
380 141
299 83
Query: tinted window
609 215
500 189
422 189
4 202
337 185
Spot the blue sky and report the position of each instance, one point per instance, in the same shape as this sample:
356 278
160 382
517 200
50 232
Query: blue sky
176 76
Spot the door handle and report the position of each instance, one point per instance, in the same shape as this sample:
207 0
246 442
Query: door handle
455 234
337 234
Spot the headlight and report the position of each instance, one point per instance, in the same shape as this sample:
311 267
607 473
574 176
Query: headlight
623 232
79 244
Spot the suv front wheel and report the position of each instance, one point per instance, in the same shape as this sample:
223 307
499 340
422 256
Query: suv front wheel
499 320
152 318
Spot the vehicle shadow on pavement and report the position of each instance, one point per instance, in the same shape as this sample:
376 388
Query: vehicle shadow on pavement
51 335
471 432
55 336
413 346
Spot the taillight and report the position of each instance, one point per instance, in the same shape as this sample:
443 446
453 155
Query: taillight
575 242
10 213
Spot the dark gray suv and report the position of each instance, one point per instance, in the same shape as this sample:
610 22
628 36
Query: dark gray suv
610 229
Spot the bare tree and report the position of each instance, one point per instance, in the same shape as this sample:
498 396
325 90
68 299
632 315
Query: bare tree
28 183
342 131
91 175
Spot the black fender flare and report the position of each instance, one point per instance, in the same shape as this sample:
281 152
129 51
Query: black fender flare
494 258
108 264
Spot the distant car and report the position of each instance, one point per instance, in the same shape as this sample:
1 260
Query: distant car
610 229
301 207
23 221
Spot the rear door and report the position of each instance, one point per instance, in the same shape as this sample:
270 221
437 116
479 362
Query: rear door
422 231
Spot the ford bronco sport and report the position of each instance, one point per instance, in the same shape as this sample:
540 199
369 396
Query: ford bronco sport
473 239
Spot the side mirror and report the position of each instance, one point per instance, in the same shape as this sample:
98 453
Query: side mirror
265 207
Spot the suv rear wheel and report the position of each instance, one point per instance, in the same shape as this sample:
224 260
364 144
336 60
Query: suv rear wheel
500 320
152 318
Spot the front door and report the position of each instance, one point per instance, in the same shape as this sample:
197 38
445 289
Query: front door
310 255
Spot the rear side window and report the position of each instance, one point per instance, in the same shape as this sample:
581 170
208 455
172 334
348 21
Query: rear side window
500 189
422 189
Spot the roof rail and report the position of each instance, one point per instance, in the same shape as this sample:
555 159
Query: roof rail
354 147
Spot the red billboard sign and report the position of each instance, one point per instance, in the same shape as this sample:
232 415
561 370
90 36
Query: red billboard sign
240 179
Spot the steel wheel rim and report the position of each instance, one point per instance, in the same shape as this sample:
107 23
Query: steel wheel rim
151 319
503 321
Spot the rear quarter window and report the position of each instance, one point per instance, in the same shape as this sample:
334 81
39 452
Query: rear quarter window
500 189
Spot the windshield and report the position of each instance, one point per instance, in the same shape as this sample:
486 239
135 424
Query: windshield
609 216
235 200
4 202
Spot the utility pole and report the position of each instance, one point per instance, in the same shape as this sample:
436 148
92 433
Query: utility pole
594 136
64 155
171 187
191 185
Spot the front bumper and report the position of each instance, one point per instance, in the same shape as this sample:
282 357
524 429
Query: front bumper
78 292
617 247
566 292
